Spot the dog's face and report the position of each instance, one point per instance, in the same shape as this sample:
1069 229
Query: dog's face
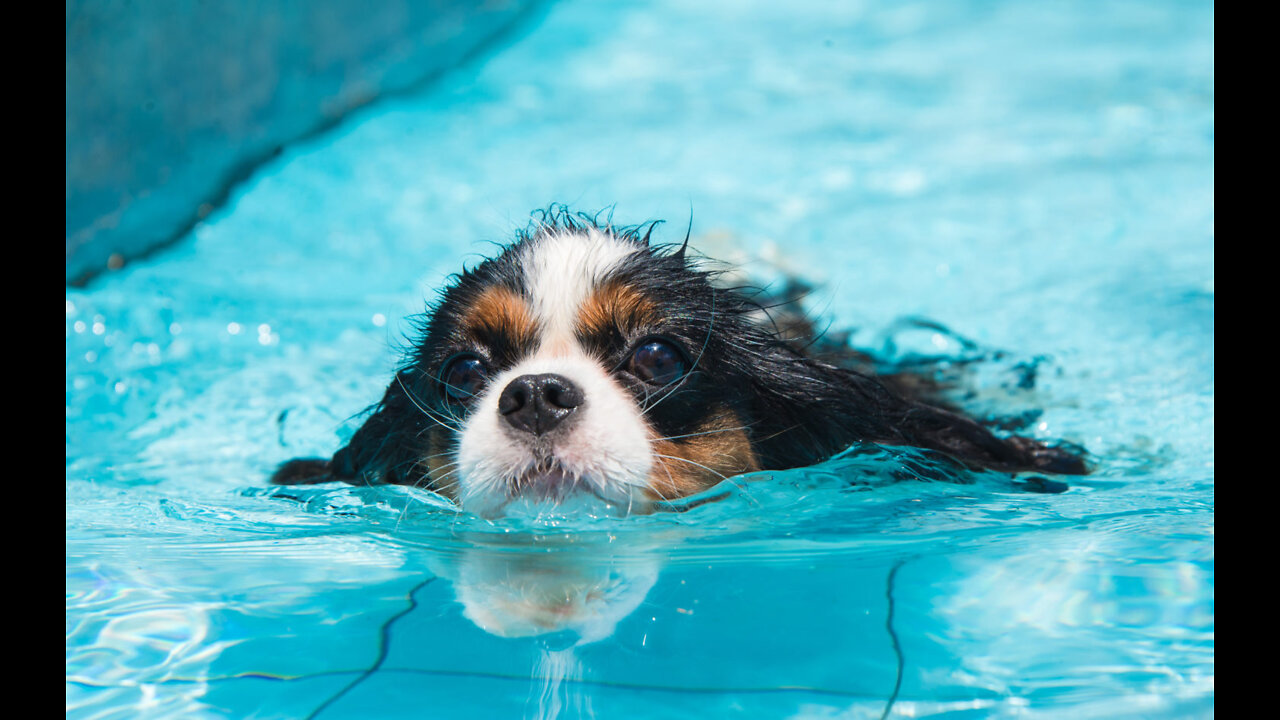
581 359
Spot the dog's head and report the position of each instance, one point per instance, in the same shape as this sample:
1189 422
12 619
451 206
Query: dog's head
580 359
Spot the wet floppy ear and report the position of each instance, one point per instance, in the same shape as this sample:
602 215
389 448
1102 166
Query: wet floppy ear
968 441
812 410
806 411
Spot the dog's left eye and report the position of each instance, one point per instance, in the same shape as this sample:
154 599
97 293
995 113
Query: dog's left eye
658 362
464 376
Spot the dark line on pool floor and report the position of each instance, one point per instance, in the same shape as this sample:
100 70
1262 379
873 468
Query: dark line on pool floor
893 635
383 644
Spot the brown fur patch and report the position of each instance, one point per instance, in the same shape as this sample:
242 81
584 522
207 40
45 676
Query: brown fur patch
439 465
499 314
616 307
718 448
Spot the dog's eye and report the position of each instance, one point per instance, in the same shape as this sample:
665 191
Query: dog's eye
463 377
658 362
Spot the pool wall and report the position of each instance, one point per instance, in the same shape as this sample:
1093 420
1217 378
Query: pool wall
170 104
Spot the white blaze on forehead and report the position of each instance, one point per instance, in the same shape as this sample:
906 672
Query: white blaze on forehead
562 269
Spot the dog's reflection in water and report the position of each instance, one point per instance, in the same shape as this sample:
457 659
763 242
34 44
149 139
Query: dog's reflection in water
534 587
564 593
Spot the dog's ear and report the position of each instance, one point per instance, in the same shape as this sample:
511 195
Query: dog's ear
804 411
383 450
807 410
966 440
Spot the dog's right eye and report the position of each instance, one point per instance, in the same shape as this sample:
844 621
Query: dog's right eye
463 377
658 362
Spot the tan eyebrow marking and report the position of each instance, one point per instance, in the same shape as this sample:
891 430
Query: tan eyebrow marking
499 312
616 305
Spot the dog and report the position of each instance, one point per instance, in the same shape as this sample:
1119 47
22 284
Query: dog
585 359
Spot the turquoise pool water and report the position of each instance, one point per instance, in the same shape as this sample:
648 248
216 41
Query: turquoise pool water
1037 177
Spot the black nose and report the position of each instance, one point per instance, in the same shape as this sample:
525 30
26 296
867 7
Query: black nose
538 403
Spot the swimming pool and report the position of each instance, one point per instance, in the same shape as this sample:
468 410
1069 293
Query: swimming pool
1036 178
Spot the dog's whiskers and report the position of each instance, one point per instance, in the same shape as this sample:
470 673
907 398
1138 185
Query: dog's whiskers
698 434
421 407
704 467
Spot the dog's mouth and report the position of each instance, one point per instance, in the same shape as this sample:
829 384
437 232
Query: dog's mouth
547 481
550 487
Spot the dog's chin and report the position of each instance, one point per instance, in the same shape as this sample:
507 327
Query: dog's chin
552 484
550 491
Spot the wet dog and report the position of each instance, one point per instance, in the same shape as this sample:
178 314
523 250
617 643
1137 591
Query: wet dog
584 359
